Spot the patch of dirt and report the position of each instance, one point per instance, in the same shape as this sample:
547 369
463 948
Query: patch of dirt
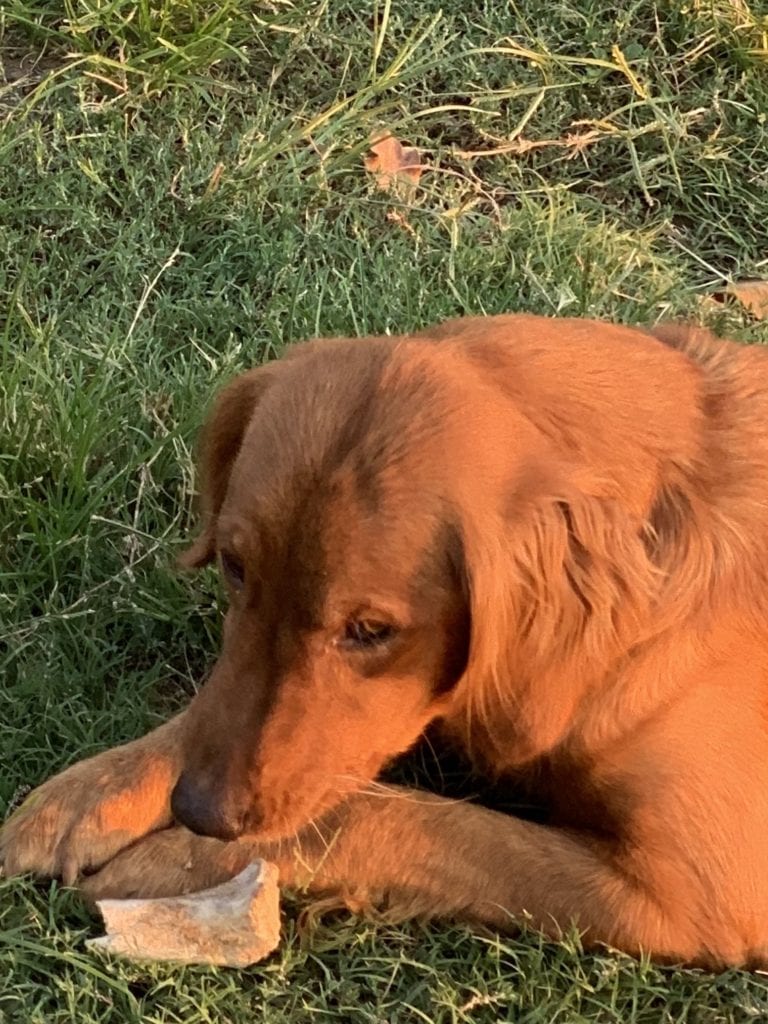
21 71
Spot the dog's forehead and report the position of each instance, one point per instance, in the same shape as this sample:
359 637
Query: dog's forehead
361 411
333 481
313 412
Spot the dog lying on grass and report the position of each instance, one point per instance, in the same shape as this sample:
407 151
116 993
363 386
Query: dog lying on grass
549 537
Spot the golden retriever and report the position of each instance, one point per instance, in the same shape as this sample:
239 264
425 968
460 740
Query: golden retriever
549 537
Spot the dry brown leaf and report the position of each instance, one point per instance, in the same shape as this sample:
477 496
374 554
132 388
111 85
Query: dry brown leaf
392 163
752 295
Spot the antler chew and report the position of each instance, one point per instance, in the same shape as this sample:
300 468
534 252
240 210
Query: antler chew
233 924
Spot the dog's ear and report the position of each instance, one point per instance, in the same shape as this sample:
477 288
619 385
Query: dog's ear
558 593
221 439
683 335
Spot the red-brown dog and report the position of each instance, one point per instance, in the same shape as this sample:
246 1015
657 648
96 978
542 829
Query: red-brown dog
551 536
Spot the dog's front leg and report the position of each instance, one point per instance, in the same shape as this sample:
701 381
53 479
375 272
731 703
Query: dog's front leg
415 854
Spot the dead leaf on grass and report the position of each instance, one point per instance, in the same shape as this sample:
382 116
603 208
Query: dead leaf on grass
752 295
393 164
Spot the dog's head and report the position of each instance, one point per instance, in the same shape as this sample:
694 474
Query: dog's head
347 630
400 541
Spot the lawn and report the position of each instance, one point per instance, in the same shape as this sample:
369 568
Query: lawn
182 194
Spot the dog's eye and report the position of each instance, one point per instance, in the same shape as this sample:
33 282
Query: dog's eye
362 633
233 569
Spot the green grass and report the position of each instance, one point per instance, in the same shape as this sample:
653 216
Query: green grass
181 195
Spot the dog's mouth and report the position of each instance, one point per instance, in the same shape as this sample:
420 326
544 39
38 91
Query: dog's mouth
290 819
269 819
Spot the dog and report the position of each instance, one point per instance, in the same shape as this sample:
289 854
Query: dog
544 537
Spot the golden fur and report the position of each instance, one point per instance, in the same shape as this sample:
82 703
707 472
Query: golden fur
547 537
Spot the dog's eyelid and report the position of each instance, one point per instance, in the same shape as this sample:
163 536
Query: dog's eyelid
367 633
233 568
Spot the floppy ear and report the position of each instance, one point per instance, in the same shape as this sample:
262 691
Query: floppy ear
687 337
558 594
221 440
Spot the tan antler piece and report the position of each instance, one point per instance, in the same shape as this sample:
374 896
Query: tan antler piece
233 924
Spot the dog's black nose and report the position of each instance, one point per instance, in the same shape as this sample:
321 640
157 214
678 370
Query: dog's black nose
206 810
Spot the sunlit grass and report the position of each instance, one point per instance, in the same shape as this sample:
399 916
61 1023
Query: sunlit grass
182 194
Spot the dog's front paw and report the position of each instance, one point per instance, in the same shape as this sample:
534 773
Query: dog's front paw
80 819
